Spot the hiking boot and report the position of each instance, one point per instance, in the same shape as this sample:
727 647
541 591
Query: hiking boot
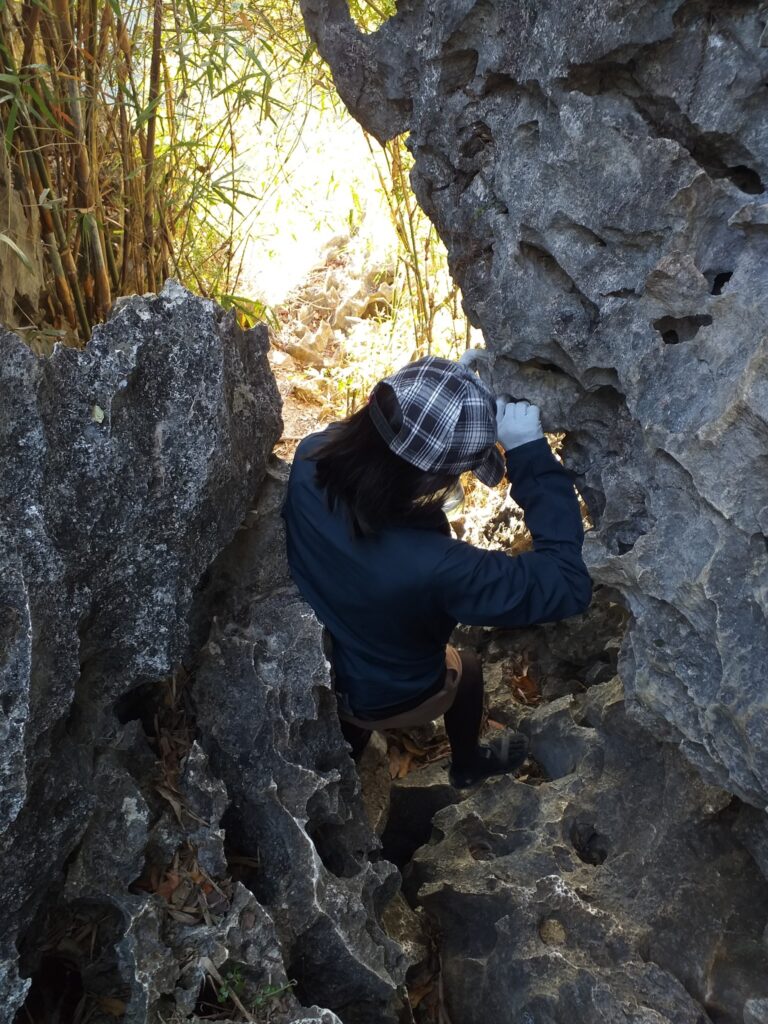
504 754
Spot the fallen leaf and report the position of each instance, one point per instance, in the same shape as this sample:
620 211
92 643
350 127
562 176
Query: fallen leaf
526 689
412 748
415 995
181 917
405 765
97 414
115 1007
168 885
394 762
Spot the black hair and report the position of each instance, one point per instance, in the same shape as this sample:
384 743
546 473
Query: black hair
376 487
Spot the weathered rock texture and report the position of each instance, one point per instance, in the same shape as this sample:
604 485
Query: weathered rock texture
597 171
267 714
615 892
125 470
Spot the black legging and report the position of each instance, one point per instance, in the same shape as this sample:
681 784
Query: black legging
462 719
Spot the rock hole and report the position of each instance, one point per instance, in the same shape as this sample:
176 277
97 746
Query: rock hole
329 843
139 704
674 330
7 704
621 538
590 846
480 137
720 280
746 179
409 824
499 83
403 836
245 863
57 993
485 844
540 364
458 70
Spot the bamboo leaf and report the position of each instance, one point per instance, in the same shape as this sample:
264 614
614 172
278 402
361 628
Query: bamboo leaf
19 252
147 112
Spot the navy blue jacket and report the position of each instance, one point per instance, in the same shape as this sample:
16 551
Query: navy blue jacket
390 602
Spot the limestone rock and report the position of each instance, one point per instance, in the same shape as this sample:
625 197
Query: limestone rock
617 890
124 469
266 715
598 174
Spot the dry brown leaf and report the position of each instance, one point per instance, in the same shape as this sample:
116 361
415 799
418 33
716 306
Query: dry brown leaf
168 886
495 725
415 995
172 799
114 1007
526 689
412 748
181 917
394 762
181 894
405 765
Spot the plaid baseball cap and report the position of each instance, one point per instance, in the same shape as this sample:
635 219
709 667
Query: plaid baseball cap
449 420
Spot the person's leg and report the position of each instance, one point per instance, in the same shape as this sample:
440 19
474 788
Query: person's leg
464 716
471 761
356 737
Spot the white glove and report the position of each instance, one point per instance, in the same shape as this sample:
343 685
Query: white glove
517 423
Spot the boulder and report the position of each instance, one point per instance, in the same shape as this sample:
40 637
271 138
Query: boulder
265 711
615 890
183 830
124 469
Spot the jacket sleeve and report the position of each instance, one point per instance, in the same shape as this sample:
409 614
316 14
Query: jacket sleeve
490 588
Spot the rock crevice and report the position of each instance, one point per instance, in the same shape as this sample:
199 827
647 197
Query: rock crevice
597 175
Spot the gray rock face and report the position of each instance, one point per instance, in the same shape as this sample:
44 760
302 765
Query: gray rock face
598 174
124 469
615 891
266 713
128 472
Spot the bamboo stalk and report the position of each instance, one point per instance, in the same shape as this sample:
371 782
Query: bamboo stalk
149 161
30 19
54 237
86 199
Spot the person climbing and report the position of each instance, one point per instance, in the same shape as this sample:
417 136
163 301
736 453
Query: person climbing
371 551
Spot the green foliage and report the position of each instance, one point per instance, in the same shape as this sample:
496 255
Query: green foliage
232 981
234 988
129 119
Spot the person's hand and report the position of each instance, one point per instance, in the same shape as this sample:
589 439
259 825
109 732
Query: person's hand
517 423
